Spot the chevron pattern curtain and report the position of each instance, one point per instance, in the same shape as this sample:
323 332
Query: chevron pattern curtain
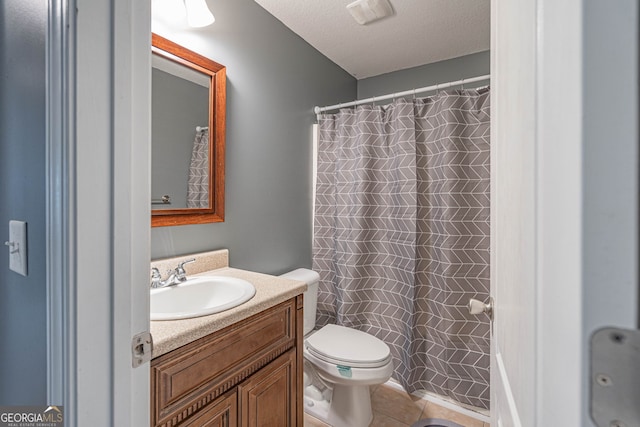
198 186
401 235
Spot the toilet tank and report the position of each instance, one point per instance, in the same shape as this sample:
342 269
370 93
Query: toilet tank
311 278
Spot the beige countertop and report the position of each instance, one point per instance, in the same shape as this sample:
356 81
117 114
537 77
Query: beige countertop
270 291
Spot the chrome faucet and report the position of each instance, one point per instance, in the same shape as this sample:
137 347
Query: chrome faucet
176 276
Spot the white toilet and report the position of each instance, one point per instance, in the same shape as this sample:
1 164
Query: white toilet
340 365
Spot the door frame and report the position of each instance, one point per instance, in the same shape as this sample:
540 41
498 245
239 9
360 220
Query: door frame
559 214
98 210
586 192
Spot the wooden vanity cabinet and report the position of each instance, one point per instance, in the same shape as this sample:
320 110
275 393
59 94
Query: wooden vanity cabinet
247 374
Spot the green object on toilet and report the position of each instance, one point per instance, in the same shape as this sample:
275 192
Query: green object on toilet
345 371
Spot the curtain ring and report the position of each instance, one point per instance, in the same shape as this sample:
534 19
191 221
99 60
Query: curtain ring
437 88
462 84
373 103
414 93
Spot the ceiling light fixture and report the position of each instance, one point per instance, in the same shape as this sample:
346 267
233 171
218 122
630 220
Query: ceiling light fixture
366 11
169 10
198 13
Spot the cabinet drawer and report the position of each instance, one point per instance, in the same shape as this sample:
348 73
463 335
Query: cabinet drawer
187 379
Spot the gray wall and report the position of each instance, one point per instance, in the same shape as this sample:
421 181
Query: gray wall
610 172
23 345
476 64
274 79
178 106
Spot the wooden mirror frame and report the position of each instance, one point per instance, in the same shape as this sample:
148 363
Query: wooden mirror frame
217 133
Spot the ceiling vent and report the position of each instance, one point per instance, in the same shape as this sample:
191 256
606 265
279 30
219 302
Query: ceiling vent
366 11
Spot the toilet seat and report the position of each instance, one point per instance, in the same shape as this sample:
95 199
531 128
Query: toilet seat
340 345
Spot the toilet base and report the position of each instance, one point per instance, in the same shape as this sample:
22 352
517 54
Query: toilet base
317 408
340 406
350 406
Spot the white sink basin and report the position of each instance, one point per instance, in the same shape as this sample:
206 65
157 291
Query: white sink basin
199 296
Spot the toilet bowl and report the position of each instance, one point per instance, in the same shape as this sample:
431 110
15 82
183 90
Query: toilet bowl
340 365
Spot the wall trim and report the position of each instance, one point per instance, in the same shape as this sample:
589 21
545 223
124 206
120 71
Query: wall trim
60 213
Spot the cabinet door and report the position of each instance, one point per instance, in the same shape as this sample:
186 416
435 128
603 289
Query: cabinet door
268 398
220 413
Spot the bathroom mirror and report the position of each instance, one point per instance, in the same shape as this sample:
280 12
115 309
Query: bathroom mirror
188 108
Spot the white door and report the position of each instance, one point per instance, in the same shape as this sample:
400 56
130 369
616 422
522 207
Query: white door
564 218
98 197
513 208
131 227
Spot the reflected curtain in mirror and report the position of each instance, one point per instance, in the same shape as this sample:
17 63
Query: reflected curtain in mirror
198 191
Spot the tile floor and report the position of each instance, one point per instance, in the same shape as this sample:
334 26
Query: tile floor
395 408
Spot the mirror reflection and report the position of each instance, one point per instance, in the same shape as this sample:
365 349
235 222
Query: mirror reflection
180 135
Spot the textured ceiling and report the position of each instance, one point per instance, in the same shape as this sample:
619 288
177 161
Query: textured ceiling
420 32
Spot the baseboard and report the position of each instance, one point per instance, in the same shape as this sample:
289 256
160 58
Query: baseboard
469 411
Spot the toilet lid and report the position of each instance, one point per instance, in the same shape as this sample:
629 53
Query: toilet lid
346 346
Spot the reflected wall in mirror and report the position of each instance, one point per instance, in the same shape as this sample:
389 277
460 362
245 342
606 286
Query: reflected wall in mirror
180 117
188 136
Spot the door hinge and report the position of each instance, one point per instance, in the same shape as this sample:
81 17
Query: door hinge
141 349
615 377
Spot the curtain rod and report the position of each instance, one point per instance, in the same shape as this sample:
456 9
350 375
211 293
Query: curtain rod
319 110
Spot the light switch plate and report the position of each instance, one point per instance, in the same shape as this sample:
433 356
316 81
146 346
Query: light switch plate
18 247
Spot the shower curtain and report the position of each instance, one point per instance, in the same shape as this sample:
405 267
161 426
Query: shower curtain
401 235
198 187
